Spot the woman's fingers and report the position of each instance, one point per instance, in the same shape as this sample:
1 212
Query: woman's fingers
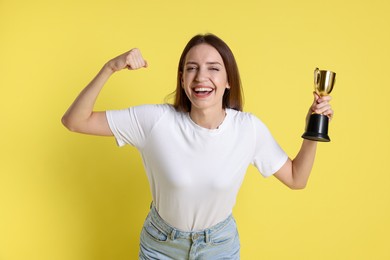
322 106
134 60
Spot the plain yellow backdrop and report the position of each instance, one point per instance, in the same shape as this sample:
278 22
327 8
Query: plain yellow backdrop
66 196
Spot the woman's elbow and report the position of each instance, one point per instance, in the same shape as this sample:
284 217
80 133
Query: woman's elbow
298 186
68 123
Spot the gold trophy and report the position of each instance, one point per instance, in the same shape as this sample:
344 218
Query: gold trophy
317 127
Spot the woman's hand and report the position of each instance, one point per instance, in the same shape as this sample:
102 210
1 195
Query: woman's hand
131 60
320 105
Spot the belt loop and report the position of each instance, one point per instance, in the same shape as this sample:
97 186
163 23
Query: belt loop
207 236
172 235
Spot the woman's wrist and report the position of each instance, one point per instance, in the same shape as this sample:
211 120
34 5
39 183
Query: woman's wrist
107 70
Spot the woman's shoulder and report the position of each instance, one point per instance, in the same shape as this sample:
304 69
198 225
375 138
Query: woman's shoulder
247 119
242 116
153 108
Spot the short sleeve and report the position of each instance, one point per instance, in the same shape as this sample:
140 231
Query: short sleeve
132 125
269 157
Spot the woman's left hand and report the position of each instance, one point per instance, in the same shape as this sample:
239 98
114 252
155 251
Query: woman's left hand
321 105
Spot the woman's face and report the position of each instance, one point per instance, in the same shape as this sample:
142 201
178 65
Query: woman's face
204 77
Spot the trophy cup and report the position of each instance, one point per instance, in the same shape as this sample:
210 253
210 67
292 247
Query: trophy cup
317 127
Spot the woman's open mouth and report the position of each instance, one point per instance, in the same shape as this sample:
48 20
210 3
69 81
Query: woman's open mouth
202 92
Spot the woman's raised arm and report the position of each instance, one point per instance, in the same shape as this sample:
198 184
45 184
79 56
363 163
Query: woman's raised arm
80 116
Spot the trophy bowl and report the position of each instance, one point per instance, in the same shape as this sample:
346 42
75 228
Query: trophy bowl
324 81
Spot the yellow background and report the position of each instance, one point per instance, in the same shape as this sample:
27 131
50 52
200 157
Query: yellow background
70 196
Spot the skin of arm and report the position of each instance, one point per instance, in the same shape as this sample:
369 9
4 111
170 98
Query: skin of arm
80 116
295 173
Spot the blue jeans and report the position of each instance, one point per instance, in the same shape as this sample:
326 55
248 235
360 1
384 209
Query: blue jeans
161 241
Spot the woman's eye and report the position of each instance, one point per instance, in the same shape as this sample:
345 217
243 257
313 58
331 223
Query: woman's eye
214 68
191 68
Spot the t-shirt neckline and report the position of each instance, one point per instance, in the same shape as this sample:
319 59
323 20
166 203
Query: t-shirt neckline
207 130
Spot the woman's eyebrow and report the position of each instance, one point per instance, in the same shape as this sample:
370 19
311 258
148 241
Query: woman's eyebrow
214 63
191 63
208 63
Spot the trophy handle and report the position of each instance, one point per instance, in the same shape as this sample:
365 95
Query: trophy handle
317 79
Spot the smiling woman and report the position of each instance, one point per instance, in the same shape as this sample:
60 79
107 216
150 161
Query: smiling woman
195 152
224 62
204 81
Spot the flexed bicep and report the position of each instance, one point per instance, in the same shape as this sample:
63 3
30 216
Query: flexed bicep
80 116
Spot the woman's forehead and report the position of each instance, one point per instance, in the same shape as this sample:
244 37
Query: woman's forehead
205 53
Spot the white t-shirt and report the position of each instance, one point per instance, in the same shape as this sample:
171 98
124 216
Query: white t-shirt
195 173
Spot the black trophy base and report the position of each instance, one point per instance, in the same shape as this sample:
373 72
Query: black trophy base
317 128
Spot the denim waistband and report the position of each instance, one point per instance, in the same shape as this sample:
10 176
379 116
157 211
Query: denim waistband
174 233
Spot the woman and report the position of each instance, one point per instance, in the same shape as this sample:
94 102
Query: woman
195 152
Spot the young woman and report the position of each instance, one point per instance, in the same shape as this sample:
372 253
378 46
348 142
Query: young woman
196 151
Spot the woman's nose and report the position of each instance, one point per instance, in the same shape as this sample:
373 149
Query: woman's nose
201 75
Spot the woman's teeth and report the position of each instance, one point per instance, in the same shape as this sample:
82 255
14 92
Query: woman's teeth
198 90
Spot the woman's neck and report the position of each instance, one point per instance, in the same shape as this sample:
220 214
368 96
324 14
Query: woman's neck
210 119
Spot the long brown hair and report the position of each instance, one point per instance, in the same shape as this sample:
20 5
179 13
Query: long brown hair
232 97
